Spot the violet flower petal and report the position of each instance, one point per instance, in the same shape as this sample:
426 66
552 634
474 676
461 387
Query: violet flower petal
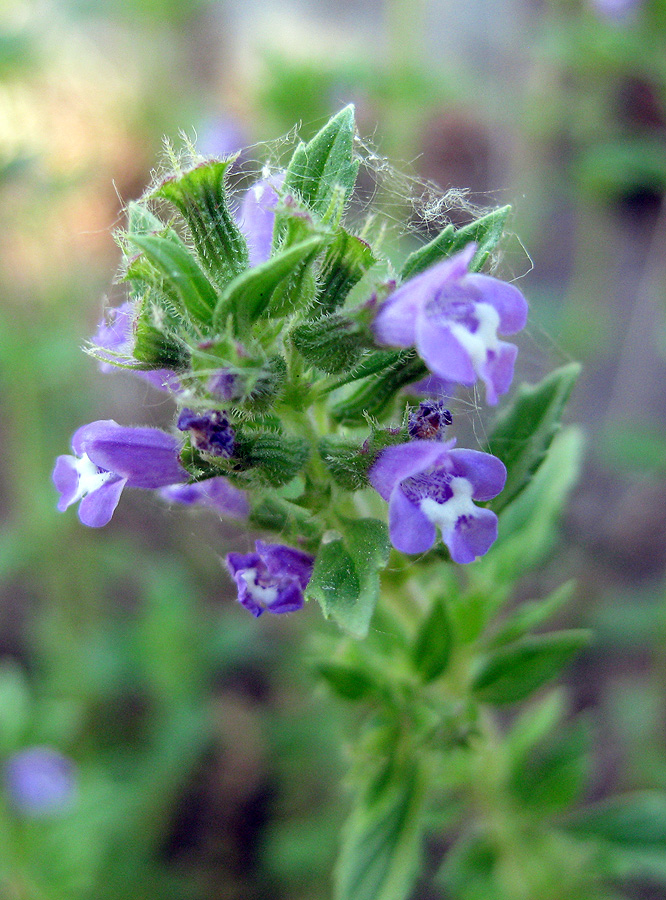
145 457
115 334
97 508
66 480
281 560
472 536
214 493
506 298
410 530
442 352
485 472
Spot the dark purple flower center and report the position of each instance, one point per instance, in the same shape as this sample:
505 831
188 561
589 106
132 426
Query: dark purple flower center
434 485
211 432
430 420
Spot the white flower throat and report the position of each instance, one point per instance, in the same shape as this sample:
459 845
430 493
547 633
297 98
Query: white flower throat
478 343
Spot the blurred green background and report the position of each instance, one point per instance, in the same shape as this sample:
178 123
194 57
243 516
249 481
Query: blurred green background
207 765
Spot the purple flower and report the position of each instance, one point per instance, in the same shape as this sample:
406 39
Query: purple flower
39 781
221 136
115 334
215 493
210 431
431 386
256 216
452 316
272 578
429 484
616 9
108 457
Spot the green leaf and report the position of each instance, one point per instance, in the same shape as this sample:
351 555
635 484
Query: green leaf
528 616
485 231
527 526
325 165
534 723
348 682
184 281
249 295
469 869
381 843
523 434
515 671
554 773
634 821
346 262
345 579
201 198
433 643
334 580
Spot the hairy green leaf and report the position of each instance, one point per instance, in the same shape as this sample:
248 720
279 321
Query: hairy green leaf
325 164
183 280
485 231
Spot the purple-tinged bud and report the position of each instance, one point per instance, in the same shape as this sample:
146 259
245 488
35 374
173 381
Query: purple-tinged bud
226 385
211 432
39 781
430 421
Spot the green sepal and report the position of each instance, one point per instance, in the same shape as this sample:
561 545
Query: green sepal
140 220
529 615
271 457
350 463
524 433
485 232
381 841
325 165
346 262
177 274
345 578
201 198
516 670
347 681
157 343
332 343
432 646
249 295
374 396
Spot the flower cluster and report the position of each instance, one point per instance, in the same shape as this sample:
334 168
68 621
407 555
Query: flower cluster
293 354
